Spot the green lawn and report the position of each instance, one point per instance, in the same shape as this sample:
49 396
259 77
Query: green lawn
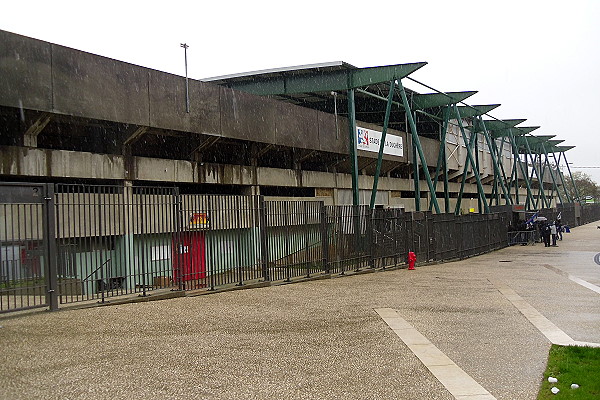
570 364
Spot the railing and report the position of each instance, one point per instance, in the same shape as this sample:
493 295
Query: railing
101 284
135 240
529 237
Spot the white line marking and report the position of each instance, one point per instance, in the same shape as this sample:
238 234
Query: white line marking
575 279
457 381
554 334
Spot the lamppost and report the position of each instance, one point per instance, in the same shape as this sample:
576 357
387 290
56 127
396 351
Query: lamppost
187 88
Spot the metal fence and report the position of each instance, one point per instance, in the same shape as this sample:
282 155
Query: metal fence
25 215
64 243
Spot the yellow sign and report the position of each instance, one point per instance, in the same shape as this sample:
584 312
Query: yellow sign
199 221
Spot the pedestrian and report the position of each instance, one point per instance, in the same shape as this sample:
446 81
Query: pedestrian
553 233
559 229
545 232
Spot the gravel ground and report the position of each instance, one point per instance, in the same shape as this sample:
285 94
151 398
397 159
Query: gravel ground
312 340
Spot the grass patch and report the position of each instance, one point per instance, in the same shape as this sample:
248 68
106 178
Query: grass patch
571 364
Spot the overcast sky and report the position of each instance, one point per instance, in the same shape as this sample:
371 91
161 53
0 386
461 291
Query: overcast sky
539 59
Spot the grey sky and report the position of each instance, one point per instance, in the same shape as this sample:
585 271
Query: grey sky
539 59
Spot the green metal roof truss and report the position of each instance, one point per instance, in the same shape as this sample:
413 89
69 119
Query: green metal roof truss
430 100
325 81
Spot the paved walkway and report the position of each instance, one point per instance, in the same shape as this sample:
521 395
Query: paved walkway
491 318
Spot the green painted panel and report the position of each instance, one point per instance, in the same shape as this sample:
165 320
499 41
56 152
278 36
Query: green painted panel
88 265
563 148
526 129
497 125
423 101
533 140
468 112
513 122
369 76
124 252
230 249
152 255
326 81
262 88
285 241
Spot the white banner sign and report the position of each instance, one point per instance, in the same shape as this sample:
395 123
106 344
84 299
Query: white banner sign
369 140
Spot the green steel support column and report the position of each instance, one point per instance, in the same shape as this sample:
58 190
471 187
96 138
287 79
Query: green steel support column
554 185
562 179
353 155
417 142
445 161
416 177
497 176
468 145
578 197
514 175
523 171
551 196
530 179
532 174
541 190
477 168
472 161
540 180
534 162
462 182
500 155
442 162
494 194
386 120
438 164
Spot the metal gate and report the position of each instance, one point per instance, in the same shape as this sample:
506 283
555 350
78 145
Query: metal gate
349 238
26 253
114 240
389 246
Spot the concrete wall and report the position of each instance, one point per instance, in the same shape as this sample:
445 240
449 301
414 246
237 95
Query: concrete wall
41 76
34 162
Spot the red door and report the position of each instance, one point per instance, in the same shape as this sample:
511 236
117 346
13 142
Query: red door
189 256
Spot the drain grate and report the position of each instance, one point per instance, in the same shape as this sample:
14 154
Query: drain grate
505 261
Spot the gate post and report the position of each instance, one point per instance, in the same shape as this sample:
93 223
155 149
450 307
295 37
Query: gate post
49 224
264 256
324 239
394 220
178 228
370 237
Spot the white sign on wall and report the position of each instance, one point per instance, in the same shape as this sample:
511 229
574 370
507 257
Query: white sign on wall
369 140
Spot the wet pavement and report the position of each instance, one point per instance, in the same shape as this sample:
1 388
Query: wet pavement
319 339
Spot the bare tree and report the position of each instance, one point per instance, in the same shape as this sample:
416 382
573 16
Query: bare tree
586 187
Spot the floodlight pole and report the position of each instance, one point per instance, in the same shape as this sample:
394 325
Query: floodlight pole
187 88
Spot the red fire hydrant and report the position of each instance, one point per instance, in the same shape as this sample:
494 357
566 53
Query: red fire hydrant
412 258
